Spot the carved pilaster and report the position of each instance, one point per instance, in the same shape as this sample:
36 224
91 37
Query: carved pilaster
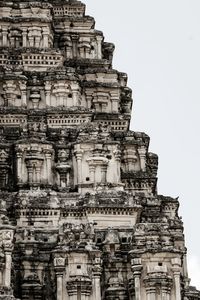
79 155
59 266
142 154
176 263
97 271
137 267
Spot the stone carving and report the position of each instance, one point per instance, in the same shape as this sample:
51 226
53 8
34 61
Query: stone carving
80 216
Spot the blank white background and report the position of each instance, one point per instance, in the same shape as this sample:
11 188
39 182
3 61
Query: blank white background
158 45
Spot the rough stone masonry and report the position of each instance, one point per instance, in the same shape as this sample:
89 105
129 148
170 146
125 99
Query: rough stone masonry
80 217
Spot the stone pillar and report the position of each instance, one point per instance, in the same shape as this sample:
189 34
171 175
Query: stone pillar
176 263
166 293
37 41
30 173
59 287
103 173
97 270
31 41
79 154
45 35
115 103
117 154
99 47
37 173
48 93
75 39
19 155
59 265
137 269
75 95
7 241
23 93
48 156
24 37
7 274
185 270
92 173
5 37
97 287
151 293
142 155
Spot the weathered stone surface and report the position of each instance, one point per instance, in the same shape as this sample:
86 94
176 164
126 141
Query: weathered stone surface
80 217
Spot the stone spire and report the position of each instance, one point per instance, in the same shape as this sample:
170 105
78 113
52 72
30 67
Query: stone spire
80 216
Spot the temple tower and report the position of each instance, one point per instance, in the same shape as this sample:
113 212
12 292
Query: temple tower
80 216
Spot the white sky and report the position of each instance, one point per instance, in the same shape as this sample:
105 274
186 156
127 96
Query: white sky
158 46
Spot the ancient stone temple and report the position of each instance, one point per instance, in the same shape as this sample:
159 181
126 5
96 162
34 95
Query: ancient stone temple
80 217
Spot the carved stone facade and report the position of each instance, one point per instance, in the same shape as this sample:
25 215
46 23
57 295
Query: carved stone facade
80 217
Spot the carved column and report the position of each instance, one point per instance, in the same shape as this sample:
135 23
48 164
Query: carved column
48 93
45 35
166 293
7 241
176 263
75 39
38 166
4 167
142 155
92 173
5 37
97 278
23 93
48 157
31 41
151 292
99 48
59 265
37 41
8 260
30 172
117 154
137 269
75 95
19 155
79 154
24 37
103 173
115 102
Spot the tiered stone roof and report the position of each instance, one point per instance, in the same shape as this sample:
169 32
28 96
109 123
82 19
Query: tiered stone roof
80 216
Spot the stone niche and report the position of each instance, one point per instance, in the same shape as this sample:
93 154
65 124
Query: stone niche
34 163
79 281
97 164
62 93
103 100
82 46
13 93
134 158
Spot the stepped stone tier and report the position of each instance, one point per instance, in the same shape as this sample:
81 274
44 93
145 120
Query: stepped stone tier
80 217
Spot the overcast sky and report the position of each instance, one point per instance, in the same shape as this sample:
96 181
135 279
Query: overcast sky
158 46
